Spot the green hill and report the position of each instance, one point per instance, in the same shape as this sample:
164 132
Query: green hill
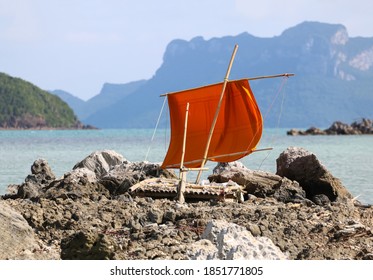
24 106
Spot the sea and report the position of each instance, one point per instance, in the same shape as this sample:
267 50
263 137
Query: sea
347 157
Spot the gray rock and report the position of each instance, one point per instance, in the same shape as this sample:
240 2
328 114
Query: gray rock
80 175
233 242
203 249
121 177
42 168
101 162
17 237
28 190
76 184
258 183
302 166
41 176
365 126
341 128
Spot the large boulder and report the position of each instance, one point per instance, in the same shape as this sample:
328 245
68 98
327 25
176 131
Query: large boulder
304 167
17 237
259 183
100 162
222 240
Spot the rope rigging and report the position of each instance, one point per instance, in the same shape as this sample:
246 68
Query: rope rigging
279 91
155 129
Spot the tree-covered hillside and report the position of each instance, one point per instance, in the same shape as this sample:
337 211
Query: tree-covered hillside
24 105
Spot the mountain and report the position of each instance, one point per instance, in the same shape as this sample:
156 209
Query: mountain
25 106
333 77
74 102
109 95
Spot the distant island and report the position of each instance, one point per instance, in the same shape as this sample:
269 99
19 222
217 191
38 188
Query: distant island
25 106
365 126
333 78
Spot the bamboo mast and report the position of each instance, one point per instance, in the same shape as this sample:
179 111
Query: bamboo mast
216 114
183 172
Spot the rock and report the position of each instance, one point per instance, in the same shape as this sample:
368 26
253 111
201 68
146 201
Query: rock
233 242
41 176
350 230
28 190
203 249
101 162
77 184
121 177
294 132
321 199
341 128
310 131
258 183
365 126
87 245
17 237
155 216
315 131
302 166
79 176
42 171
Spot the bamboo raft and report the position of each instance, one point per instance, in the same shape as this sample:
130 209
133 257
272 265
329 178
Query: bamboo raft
167 188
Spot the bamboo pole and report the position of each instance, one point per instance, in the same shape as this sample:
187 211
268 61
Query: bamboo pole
216 114
184 137
269 76
249 79
182 183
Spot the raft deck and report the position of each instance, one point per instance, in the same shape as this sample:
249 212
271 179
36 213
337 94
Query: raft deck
167 188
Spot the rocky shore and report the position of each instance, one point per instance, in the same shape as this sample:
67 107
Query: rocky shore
23 126
301 212
365 126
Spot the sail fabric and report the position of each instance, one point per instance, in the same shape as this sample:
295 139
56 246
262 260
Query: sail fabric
237 131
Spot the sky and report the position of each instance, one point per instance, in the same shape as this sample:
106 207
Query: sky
78 45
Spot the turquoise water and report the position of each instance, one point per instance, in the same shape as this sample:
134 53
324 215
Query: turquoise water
347 157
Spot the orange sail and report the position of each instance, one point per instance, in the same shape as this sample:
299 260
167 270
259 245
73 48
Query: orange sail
237 131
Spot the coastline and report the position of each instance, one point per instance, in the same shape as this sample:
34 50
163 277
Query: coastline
90 213
82 127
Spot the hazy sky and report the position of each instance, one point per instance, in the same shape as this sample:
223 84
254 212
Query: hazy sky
78 45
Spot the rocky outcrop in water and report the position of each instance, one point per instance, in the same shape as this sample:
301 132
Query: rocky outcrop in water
303 167
365 126
90 213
